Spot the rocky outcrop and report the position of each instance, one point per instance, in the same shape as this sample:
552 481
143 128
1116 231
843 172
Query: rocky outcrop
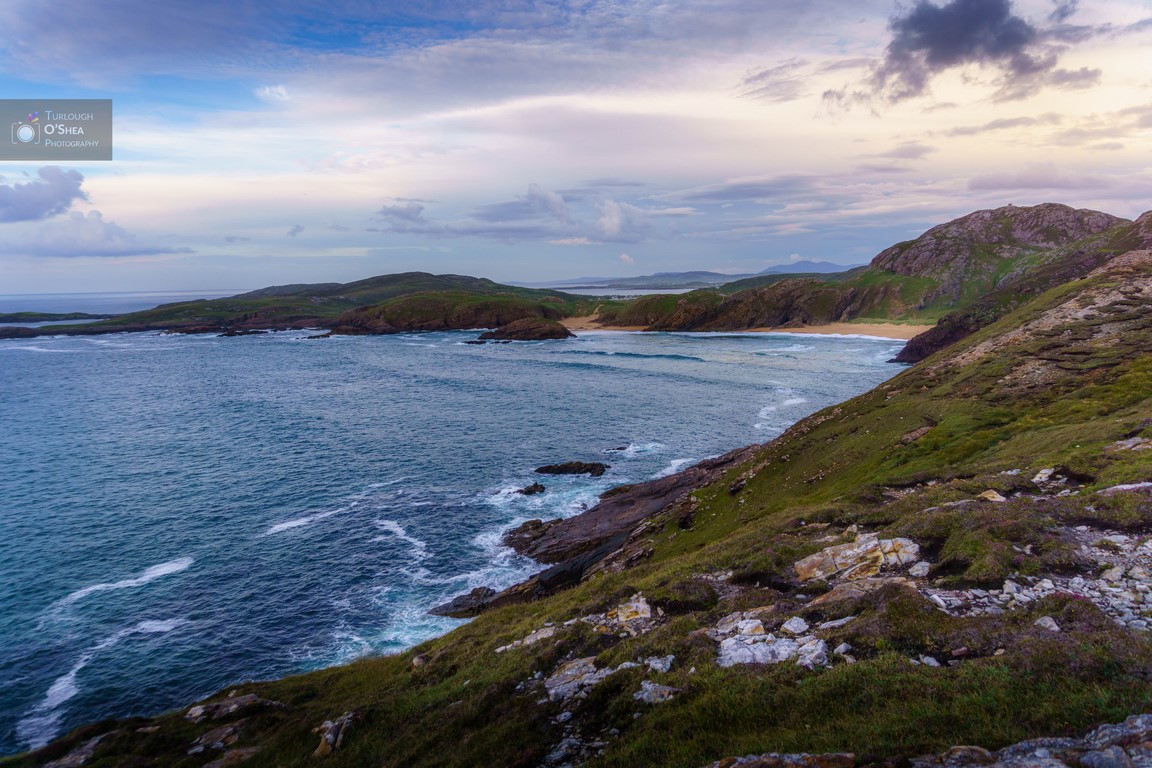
1120 745
592 468
529 329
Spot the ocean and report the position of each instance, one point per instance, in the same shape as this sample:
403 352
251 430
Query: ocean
185 512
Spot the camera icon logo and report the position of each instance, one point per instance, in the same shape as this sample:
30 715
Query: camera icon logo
27 131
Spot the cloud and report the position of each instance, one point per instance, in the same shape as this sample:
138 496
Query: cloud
1036 176
273 94
928 40
909 150
735 190
777 84
79 235
53 193
1005 123
626 259
296 229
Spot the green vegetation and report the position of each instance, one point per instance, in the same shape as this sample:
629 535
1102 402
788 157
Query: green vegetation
1053 385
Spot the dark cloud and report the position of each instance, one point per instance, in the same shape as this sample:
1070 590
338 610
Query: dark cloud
1064 9
879 168
53 193
296 229
1005 123
237 239
929 39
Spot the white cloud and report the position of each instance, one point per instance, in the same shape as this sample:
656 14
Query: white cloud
626 259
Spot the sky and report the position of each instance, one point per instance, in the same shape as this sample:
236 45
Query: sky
261 143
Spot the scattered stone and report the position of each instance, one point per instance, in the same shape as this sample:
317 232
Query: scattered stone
332 733
651 693
750 627
765 650
1131 444
79 756
1113 574
812 654
636 608
574 678
660 663
1124 488
1043 475
965 756
776 760
843 649
233 757
991 495
1048 623
854 590
862 558
794 626
218 738
541 634
419 660
247 703
835 623
919 570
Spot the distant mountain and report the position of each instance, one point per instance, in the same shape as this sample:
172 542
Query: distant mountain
807 267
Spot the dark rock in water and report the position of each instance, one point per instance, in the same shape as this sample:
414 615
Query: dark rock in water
532 490
241 332
530 329
475 341
465 606
320 336
593 468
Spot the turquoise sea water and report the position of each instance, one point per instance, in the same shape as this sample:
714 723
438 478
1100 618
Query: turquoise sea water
183 512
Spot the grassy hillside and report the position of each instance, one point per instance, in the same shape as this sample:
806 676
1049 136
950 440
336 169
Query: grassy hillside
311 305
972 271
998 458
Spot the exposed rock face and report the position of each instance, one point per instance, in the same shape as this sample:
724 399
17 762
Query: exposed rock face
233 705
530 329
859 559
946 251
465 606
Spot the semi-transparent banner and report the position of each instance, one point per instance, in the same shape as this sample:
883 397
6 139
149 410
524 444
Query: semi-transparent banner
57 129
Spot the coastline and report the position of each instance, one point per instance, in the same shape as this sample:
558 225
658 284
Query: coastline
881 330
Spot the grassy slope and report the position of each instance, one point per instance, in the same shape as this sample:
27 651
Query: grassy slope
318 304
465 706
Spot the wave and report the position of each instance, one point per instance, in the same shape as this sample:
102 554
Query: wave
300 522
41 723
419 549
147 575
33 348
767 411
673 467
635 449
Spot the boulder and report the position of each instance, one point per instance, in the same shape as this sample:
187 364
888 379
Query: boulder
530 329
532 490
859 559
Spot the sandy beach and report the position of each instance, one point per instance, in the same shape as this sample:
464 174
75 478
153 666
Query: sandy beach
883 330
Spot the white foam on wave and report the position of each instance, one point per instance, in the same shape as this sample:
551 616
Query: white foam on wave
768 411
32 348
637 449
673 467
419 550
316 517
41 723
147 575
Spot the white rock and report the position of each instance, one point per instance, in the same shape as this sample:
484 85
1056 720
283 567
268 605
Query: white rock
1046 584
1043 475
750 627
929 661
1010 587
795 626
727 625
919 570
651 693
843 649
660 663
812 654
835 623
1113 574
1048 623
